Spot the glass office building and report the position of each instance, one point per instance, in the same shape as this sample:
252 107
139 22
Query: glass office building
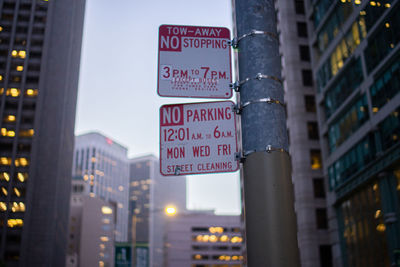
356 65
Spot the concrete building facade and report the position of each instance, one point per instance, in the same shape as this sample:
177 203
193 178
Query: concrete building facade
40 45
196 239
356 65
302 125
91 229
150 193
103 164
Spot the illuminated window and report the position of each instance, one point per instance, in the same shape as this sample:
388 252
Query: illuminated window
5 161
22 177
18 207
20 68
17 192
9 118
224 238
104 238
14 53
26 133
1 78
4 176
10 133
14 92
15 223
236 239
213 239
21 162
197 257
22 54
31 92
316 161
4 191
3 206
106 210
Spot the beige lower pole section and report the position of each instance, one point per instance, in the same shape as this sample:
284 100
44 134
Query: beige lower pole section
269 210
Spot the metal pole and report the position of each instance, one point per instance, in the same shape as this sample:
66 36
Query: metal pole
271 230
134 220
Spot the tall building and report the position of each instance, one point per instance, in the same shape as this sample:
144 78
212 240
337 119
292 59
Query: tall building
150 193
103 164
200 239
356 65
302 125
91 228
40 45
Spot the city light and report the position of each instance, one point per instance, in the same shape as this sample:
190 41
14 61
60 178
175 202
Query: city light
170 210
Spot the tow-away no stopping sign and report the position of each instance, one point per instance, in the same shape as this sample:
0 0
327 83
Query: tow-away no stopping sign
194 61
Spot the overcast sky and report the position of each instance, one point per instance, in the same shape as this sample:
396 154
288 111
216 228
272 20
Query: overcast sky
118 79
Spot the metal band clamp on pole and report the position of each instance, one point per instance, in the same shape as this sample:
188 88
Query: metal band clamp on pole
236 85
242 156
239 107
235 41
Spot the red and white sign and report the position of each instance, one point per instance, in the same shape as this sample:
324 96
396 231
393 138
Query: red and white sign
194 62
198 138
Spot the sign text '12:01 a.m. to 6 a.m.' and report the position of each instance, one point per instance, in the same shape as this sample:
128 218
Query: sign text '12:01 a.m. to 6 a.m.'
198 138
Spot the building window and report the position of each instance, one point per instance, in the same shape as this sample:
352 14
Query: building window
386 85
304 53
319 188
349 122
355 159
309 101
316 161
389 130
307 77
312 129
325 256
299 6
384 41
302 29
322 219
362 219
343 87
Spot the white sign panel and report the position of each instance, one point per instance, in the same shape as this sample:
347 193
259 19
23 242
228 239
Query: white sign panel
198 138
194 62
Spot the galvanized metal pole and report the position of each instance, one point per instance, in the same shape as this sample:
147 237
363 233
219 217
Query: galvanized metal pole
271 230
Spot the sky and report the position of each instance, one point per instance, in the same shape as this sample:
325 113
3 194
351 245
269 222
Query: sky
118 82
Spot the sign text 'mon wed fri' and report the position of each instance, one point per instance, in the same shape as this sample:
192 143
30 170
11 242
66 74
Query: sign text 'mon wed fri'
194 62
198 138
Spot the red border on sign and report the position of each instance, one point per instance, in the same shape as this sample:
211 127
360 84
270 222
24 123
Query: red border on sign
226 36
192 173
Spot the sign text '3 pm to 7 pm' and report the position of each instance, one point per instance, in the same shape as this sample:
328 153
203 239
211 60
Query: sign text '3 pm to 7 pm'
194 61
